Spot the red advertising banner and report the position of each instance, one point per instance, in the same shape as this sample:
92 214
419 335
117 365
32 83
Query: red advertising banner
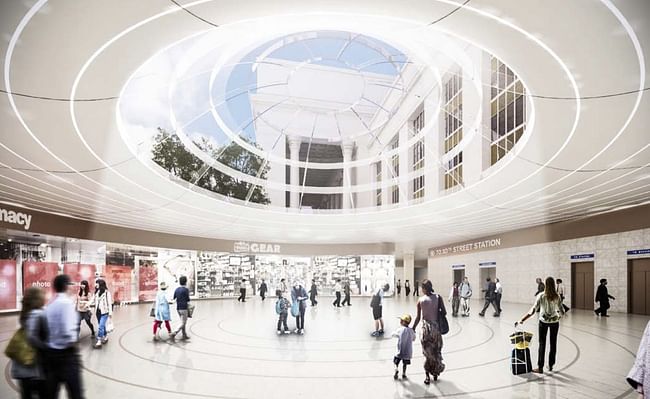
41 275
79 272
118 279
7 284
148 278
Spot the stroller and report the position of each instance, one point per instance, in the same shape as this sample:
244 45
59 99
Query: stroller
520 357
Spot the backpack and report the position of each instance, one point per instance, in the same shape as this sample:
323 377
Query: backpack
20 350
278 306
374 302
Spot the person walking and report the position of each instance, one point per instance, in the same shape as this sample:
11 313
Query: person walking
465 294
346 293
603 297
104 303
182 298
549 306
313 292
416 289
540 286
407 288
560 291
263 289
62 360
298 294
639 375
337 292
454 298
498 293
242 291
161 312
399 287
490 297
84 300
405 337
377 304
429 307
31 377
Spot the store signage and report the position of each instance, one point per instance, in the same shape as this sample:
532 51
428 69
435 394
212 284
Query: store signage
582 256
256 247
7 284
638 252
19 218
471 246
486 264
457 267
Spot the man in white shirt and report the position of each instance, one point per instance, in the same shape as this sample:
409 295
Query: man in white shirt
337 292
62 361
499 291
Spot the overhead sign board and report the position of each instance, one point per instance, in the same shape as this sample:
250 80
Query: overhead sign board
582 256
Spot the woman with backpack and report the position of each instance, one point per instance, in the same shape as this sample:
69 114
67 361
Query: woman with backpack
84 300
549 305
104 302
429 308
27 360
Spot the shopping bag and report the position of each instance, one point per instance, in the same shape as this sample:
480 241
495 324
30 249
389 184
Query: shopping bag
109 325
190 310
295 311
521 339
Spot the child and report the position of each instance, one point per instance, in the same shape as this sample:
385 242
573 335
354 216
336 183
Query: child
282 309
405 337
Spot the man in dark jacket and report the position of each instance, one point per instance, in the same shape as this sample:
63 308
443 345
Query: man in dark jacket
603 297
313 291
540 286
263 289
346 293
490 297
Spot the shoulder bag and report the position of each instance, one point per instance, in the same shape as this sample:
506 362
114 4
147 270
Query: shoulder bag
442 317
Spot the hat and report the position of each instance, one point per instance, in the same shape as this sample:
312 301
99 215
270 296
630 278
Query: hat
163 285
406 318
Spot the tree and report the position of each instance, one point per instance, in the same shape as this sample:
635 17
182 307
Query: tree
169 152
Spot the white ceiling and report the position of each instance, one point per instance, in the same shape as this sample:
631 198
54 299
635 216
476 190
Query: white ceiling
582 156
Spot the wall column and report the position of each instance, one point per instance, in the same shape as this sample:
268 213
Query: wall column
294 176
347 149
409 269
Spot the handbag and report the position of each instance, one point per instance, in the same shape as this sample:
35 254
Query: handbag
190 309
295 311
20 350
442 318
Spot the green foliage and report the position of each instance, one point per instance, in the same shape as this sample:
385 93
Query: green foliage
170 153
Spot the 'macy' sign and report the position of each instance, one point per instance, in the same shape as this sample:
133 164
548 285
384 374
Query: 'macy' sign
19 218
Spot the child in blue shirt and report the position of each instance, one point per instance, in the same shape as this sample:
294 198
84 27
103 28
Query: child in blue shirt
405 337
282 309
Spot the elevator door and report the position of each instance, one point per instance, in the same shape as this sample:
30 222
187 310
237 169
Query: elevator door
486 272
639 286
582 284
459 274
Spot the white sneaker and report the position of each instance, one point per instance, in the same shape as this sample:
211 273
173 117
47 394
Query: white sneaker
105 340
98 344
279 332
296 331
301 332
287 332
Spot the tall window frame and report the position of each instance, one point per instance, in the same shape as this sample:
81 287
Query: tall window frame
417 152
394 163
507 110
453 128
378 177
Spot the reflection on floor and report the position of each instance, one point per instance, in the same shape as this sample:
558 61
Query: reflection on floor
234 352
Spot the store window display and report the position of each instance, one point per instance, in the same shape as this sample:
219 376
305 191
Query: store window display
376 272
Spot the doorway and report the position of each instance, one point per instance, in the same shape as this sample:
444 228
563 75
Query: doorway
582 285
638 280
459 275
484 273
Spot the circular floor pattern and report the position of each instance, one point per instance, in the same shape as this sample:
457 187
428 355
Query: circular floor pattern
234 353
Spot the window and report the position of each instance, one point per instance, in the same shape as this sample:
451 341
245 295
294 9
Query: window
508 110
394 161
454 172
417 152
453 109
378 180
453 128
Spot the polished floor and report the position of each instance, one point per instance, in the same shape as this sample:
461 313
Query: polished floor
234 352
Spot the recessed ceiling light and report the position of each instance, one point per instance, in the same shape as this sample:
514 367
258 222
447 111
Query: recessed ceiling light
9 240
129 253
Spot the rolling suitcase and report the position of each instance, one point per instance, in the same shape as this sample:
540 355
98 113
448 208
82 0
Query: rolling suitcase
520 361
